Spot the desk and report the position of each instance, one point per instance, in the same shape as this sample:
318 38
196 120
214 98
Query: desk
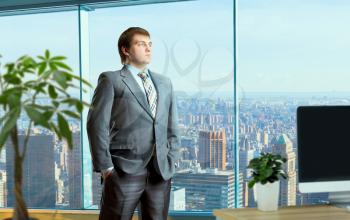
319 212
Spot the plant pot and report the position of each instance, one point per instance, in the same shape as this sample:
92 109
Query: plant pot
266 196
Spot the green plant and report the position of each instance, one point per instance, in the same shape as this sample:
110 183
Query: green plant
23 82
266 168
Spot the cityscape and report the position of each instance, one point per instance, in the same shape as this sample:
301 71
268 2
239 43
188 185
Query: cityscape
288 47
205 175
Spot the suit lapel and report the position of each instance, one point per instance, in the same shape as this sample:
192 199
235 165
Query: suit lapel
135 89
140 95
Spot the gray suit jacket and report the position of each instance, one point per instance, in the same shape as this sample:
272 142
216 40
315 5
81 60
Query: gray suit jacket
120 127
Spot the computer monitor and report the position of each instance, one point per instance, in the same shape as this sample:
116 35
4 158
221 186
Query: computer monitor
323 137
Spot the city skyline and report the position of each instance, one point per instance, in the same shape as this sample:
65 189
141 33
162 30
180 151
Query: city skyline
288 54
261 124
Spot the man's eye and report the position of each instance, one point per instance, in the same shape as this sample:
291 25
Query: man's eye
144 44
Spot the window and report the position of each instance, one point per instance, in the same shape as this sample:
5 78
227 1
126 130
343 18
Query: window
289 54
51 172
195 49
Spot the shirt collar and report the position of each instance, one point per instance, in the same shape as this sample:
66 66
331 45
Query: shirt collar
135 70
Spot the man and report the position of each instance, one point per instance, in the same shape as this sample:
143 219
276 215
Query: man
133 133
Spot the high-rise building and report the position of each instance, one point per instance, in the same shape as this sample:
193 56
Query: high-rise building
96 189
3 193
212 149
258 136
38 185
61 174
74 168
206 190
69 172
284 146
177 199
2 159
265 138
244 157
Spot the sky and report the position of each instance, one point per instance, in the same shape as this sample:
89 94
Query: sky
282 46
293 46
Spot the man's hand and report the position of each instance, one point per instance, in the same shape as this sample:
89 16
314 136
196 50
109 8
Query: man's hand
106 173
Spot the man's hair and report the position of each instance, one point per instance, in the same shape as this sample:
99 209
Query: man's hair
126 38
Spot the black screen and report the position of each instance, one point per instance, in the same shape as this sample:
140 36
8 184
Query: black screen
323 134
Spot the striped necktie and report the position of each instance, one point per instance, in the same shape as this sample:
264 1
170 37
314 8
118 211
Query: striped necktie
151 92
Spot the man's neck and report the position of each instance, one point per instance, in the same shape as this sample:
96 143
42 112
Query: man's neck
139 67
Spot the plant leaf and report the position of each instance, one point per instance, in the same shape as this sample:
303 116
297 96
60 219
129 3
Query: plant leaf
42 67
79 106
41 57
12 117
36 116
60 79
47 54
71 114
64 129
62 65
3 137
12 79
52 92
251 184
58 58
13 96
46 74
79 78
56 130
2 99
53 66
55 103
48 114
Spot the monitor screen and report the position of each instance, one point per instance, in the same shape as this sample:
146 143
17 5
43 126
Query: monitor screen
323 134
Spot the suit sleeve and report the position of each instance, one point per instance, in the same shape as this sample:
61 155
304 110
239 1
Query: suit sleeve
98 120
173 129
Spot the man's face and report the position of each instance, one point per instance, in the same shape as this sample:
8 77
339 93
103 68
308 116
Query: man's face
140 50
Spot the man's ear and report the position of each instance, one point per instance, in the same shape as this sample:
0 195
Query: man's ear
125 51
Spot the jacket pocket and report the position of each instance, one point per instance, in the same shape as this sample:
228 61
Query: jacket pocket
120 146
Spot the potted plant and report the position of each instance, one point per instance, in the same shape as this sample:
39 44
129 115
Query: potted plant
20 85
266 172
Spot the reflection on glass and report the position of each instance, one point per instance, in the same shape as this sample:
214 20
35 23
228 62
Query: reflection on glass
288 55
198 57
51 172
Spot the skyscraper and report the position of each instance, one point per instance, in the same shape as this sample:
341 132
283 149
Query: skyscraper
212 149
38 185
3 194
284 146
206 190
96 189
265 138
69 171
246 153
177 199
75 173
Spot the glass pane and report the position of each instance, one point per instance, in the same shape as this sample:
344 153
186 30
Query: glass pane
289 54
51 173
192 45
